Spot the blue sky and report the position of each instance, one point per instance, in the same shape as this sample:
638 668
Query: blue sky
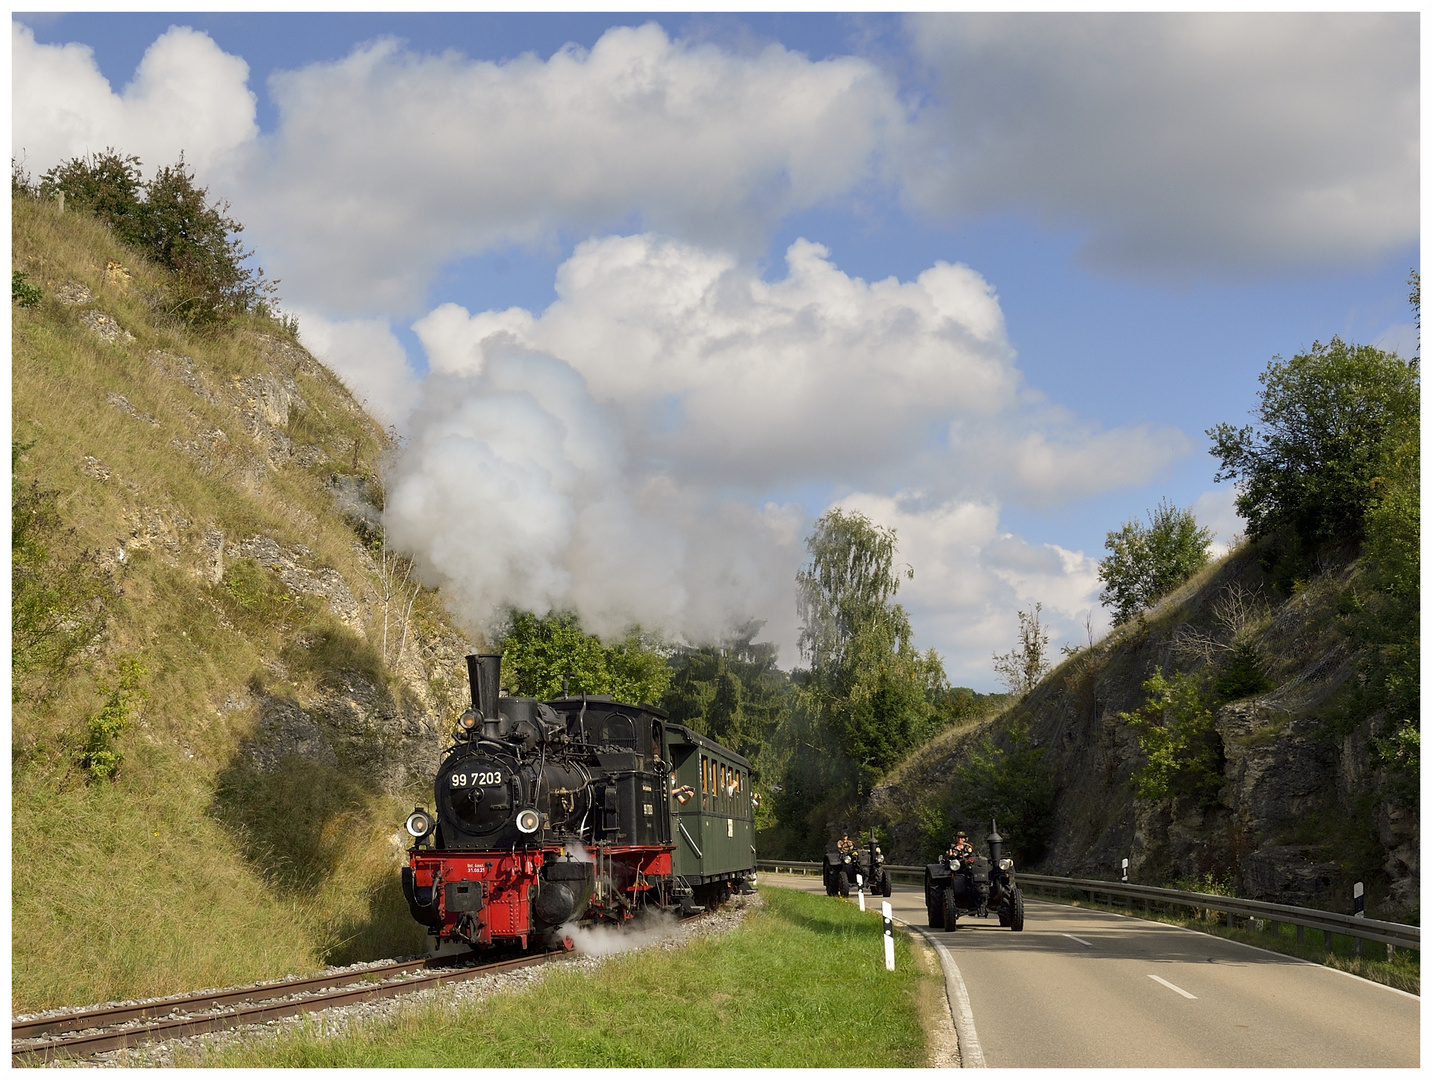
1146 207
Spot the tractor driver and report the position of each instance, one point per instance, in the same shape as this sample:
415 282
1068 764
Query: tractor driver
845 845
961 848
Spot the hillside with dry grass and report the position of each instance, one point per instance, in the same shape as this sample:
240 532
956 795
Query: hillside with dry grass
1289 805
207 789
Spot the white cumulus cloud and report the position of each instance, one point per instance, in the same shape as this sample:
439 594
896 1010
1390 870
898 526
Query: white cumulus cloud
388 164
187 95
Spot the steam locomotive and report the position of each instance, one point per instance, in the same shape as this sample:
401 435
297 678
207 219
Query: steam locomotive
577 811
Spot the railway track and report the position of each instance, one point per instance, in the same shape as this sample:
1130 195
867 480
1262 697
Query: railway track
95 1031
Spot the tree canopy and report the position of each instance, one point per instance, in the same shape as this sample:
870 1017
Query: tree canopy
1309 463
868 684
170 219
538 651
1146 562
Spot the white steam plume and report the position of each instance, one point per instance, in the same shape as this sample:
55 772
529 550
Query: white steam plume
650 929
515 490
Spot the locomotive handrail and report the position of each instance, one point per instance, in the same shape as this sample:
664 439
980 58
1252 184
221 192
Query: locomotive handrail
1398 935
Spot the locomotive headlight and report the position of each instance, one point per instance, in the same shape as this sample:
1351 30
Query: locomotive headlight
1006 864
419 824
528 821
469 720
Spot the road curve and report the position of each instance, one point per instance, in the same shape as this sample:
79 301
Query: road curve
1090 989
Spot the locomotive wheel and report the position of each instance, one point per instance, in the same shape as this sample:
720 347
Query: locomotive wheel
1016 911
951 912
844 885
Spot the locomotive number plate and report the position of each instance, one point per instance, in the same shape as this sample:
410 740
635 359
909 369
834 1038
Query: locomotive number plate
647 809
477 779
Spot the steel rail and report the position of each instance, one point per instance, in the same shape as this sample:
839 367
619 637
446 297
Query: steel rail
1397 935
183 1026
207 999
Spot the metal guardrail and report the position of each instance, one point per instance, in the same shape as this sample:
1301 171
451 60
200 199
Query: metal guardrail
1394 935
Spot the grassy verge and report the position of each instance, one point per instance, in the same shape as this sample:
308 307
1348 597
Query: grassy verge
1403 971
802 983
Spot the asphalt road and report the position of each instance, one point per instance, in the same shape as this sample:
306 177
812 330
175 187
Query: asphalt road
1088 989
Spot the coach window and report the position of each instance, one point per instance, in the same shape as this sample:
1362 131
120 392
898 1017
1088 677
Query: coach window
704 785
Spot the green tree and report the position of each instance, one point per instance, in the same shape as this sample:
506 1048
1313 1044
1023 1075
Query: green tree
1022 667
1147 562
1307 466
732 691
1386 621
1182 749
108 185
868 685
171 220
1014 787
538 651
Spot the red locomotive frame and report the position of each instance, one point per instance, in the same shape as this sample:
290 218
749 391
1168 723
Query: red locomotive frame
496 889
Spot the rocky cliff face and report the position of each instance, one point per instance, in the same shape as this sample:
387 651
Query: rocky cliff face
1300 814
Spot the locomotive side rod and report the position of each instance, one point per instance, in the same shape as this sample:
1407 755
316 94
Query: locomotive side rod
180 1027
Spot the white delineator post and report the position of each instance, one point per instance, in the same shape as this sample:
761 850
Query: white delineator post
1359 911
889 936
860 890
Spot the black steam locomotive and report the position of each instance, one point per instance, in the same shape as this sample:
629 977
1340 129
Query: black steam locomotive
575 811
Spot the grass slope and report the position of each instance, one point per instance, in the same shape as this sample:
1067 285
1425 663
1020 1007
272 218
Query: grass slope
802 984
193 868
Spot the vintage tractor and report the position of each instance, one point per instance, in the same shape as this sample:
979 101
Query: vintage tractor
955 887
841 870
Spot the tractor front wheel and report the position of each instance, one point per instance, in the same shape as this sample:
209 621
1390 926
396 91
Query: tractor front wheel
952 913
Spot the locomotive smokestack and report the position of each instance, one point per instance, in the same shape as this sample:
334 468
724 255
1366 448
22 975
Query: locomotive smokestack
483 675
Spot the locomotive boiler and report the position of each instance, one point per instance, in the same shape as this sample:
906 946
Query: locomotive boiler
576 811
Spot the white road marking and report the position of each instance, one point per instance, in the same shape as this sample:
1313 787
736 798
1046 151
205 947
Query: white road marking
1081 941
1172 987
1285 957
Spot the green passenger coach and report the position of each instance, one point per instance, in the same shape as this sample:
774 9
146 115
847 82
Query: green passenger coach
712 818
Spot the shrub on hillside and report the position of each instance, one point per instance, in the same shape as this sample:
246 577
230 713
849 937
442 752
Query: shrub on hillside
1022 667
170 219
1182 749
98 757
1146 563
59 604
21 291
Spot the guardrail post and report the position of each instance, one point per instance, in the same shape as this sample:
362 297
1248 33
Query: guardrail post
1327 941
1299 933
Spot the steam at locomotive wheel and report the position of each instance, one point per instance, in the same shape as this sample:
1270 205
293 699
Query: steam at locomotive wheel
579 811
